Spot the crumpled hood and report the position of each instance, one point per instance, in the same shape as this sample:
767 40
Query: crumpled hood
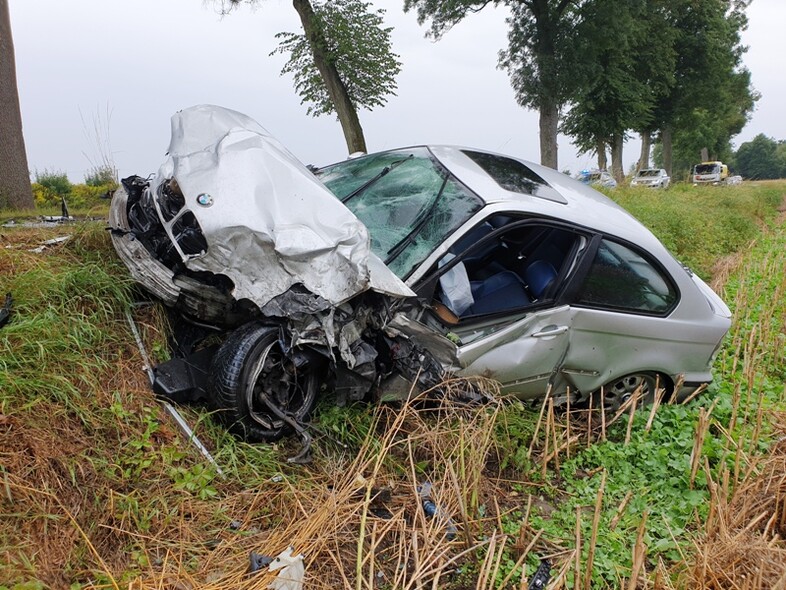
268 222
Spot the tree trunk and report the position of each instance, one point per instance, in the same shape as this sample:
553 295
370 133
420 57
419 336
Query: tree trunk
347 114
665 138
616 157
15 191
549 121
646 144
546 18
601 150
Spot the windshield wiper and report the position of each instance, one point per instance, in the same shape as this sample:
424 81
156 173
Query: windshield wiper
419 224
374 179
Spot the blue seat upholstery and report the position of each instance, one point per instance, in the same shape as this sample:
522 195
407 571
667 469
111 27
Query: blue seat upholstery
539 276
504 290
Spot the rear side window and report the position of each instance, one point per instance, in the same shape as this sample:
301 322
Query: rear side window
621 278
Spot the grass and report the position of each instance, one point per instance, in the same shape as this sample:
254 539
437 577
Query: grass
98 490
703 224
93 211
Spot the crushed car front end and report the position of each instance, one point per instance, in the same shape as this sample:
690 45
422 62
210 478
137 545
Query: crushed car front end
238 237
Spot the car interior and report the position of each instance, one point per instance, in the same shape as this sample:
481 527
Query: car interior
502 270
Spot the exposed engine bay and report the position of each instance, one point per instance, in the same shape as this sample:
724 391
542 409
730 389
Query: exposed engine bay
277 293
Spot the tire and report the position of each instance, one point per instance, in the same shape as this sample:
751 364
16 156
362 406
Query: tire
250 365
617 392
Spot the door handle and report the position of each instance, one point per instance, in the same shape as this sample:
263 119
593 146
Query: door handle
550 331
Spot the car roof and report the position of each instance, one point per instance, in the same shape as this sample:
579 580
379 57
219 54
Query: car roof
580 204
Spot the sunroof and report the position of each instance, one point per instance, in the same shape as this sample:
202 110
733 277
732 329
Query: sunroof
514 176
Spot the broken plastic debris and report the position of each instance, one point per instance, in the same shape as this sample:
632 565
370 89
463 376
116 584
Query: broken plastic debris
290 571
431 510
52 242
256 562
5 311
541 577
64 214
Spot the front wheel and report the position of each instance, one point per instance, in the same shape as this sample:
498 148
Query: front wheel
250 374
617 392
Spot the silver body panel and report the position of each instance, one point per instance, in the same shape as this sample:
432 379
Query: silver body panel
271 224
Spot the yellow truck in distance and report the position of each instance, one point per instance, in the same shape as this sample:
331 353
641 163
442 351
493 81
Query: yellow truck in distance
710 173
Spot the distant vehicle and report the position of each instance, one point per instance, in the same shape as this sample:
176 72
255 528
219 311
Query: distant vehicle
652 178
710 173
597 178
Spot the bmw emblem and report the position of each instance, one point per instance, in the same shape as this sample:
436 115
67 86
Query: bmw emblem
204 199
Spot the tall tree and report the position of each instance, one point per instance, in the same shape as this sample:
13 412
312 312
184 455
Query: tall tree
343 60
611 96
760 159
625 49
15 189
540 31
654 62
711 97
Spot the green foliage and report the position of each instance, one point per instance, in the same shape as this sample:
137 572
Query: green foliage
50 186
60 309
85 195
627 61
196 480
761 158
712 97
349 426
358 45
102 176
701 225
539 57
656 467
514 431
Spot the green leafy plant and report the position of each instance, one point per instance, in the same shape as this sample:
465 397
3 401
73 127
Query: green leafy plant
358 45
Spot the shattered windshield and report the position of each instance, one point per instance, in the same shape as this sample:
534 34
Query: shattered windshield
646 173
406 199
706 169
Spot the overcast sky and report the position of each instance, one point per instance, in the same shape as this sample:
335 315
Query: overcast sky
122 67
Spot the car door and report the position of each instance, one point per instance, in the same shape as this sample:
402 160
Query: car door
621 320
523 353
499 289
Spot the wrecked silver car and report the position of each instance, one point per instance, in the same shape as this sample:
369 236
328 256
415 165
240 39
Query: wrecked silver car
395 268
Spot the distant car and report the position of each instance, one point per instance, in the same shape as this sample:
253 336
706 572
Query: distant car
652 178
398 266
597 178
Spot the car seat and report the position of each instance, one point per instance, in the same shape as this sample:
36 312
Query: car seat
504 290
539 276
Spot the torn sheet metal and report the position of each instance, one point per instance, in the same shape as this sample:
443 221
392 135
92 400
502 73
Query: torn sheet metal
47 243
268 223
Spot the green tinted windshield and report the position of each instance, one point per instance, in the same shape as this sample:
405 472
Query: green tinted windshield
408 201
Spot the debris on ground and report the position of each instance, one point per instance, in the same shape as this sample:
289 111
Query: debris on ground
5 311
432 511
290 570
64 214
45 244
541 577
257 562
